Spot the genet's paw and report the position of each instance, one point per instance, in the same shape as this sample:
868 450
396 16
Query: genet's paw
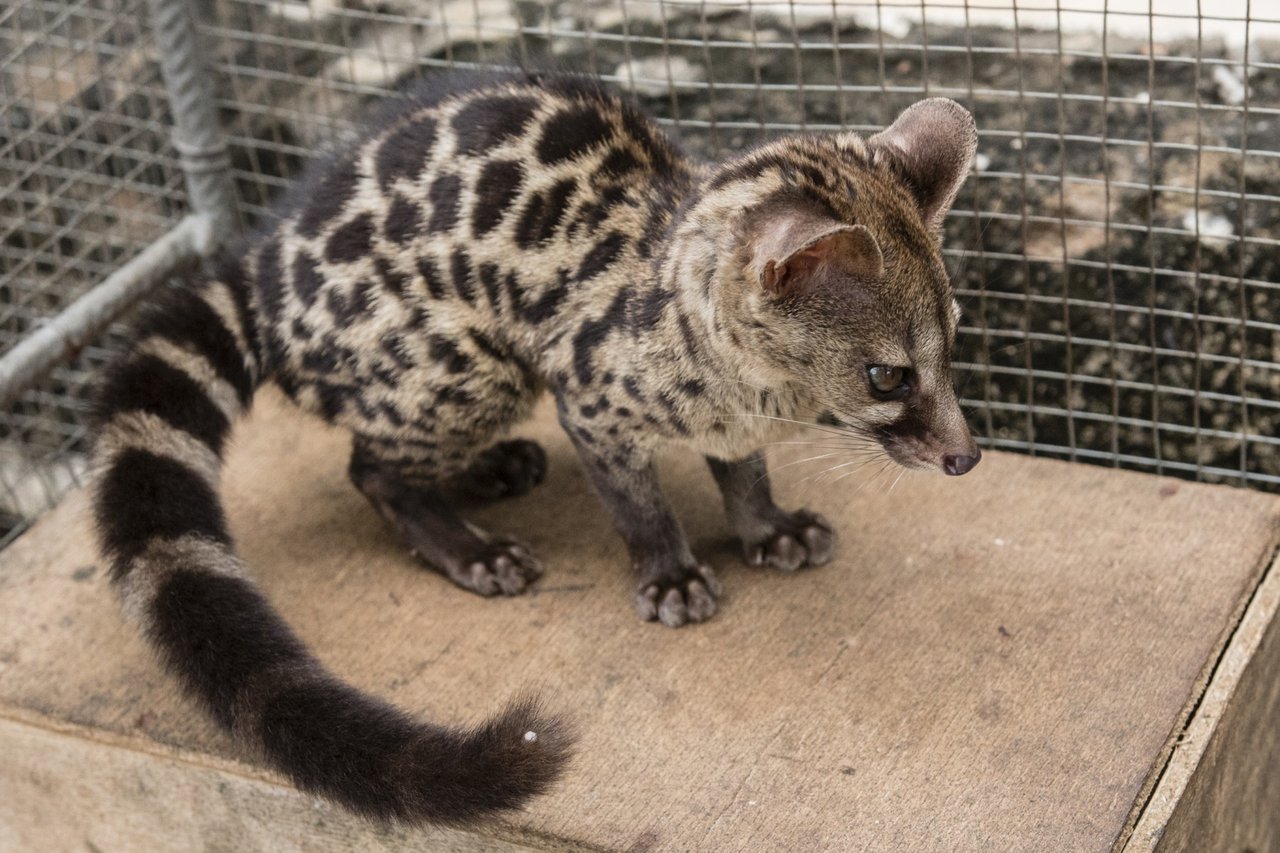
506 470
801 539
687 594
503 566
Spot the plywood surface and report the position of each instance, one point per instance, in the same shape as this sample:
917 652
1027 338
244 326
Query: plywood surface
992 661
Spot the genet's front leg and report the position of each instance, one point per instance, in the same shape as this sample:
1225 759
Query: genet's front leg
770 536
674 587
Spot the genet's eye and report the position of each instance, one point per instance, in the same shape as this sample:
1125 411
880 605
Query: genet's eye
888 381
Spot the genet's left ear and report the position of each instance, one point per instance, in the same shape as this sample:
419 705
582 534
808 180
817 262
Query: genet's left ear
931 145
792 248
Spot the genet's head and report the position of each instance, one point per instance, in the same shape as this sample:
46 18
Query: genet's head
842 279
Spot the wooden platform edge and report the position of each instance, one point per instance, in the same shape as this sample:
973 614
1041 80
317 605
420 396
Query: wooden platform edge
1219 788
69 790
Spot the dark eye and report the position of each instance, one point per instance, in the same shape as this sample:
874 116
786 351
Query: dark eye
888 382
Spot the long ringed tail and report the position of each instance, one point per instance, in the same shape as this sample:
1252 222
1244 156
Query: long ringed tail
164 415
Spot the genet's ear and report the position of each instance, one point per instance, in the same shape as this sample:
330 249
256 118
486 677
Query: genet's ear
792 249
931 145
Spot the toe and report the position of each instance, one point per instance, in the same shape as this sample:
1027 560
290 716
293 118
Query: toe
700 602
672 612
786 553
820 541
481 578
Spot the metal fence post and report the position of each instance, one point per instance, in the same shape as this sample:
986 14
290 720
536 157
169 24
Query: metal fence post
197 133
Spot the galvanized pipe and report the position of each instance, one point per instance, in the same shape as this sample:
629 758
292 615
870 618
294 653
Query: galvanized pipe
197 134
64 335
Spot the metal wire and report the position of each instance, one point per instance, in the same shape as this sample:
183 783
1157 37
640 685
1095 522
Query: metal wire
88 180
1116 250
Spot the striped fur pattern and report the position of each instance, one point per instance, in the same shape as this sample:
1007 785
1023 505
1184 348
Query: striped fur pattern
486 241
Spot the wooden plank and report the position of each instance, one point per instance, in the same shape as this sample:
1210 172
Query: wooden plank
69 791
992 660
1221 790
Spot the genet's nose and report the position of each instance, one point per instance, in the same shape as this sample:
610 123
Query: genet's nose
955 465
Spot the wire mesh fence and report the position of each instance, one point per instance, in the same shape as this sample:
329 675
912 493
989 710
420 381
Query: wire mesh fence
87 180
1115 250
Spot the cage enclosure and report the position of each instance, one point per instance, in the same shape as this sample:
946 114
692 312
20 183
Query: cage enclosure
1115 252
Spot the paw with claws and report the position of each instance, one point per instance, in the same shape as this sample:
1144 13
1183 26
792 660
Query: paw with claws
798 540
501 567
676 597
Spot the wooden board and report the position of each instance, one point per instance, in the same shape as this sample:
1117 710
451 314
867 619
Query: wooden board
993 661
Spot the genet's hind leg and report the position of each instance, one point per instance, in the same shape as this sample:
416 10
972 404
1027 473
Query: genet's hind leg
405 494
508 469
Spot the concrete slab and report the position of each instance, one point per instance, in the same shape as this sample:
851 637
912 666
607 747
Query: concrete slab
999 661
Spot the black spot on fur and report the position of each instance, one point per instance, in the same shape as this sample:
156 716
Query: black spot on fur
747 169
445 197
392 414
487 346
673 414
326 201
187 320
602 256
145 497
403 221
446 352
687 335
147 384
306 277
394 346
431 276
530 221
632 388
344 310
351 242
619 162
649 307
592 214
571 133
496 189
655 147
454 394
270 279
332 398
320 360
693 387
592 333
488 274
544 306
394 280
486 122
460 267
404 153
543 214
366 297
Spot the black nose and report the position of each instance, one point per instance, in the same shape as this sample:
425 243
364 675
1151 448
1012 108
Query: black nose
957 465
